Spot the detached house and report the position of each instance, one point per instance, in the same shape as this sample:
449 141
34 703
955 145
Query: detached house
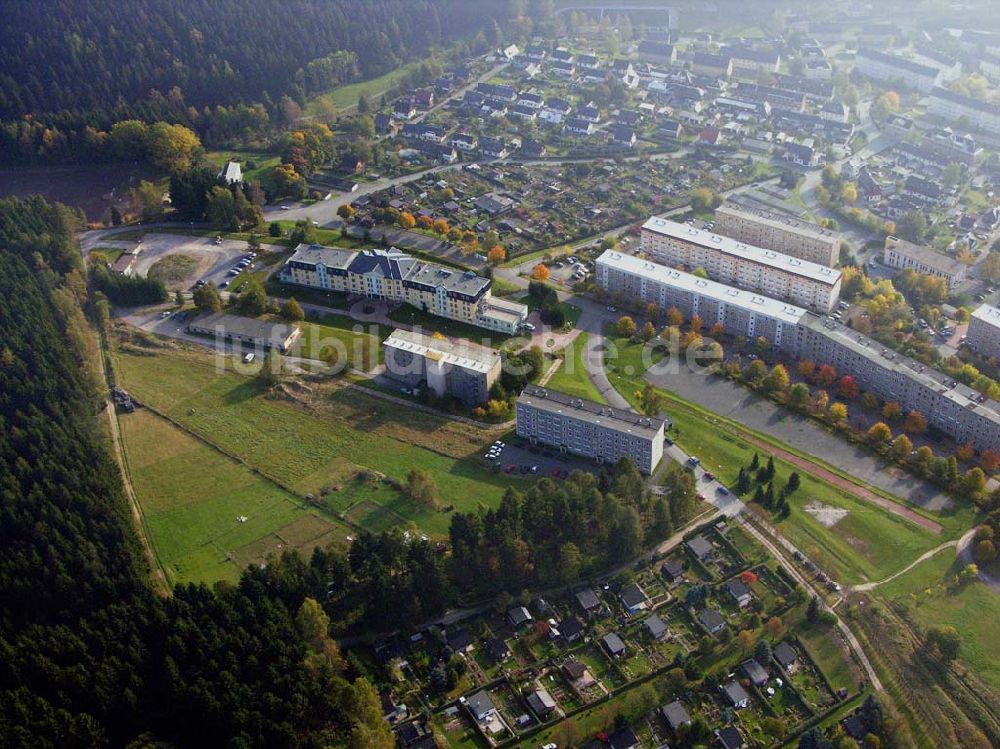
577 126
739 592
623 135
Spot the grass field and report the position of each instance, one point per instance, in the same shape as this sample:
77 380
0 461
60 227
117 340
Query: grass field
346 97
972 609
192 497
360 344
338 432
172 268
866 544
571 377
263 163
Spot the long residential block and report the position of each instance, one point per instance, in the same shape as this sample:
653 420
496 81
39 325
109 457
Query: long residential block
589 429
394 276
741 313
956 409
898 253
953 106
785 234
462 370
730 261
983 335
887 68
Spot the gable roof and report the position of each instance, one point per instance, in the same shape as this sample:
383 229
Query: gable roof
700 546
785 654
570 627
730 737
675 714
735 693
458 638
656 626
632 595
754 671
711 619
623 738
587 599
613 642
497 648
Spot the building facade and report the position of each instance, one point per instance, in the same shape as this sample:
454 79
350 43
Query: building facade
246 331
394 276
887 68
588 429
952 106
983 335
741 313
729 261
464 371
785 234
898 253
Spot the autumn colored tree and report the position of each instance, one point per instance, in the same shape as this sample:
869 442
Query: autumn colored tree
675 318
696 324
496 254
406 220
648 331
965 452
838 412
653 312
716 331
346 212
454 234
806 369
798 396
848 388
748 577
541 272
990 461
826 375
879 433
892 411
901 448
821 401
777 381
424 222
915 423
626 326
745 640
774 627
440 226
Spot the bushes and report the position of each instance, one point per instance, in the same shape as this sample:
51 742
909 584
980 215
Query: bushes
128 291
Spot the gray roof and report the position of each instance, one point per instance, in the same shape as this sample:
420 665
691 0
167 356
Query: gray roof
785 654
541 701
613 642
561 403
675 714
462 355
632 595
587 598
656 626
735 692
700 546
779 220
276 334
480 703
926 256
897 62
711 619
519 615
754 671
737 588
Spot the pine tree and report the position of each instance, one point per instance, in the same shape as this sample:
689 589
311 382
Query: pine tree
769 495
770 468
812 610
758 495
755 462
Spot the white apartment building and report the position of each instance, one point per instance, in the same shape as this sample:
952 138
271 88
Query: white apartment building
730 261
783 233
887 68
898 253
952 106
397 277
741 313
983 335
589 429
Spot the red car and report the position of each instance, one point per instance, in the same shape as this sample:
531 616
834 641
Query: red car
509 469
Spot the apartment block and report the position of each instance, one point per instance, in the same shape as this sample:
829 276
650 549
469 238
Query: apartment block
898 253
887 68
983 335
779 232
953 106
462 370
741 313
956 409
394 276
588 429
729 261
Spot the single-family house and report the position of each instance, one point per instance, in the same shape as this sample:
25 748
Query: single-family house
657 52
493 148
700 548
623 738
730 738
563 69
494 204
712 621
578 674
531 99
800 154
588 599
518 616
570 629
561 106
481 705
633 598
541 703
533 149
459 640
755 672
785 655
622 135
577 126
496 648
672 570
232 173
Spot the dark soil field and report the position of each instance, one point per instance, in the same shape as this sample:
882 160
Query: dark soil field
91 187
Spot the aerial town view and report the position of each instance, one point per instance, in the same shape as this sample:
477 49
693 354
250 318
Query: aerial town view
500 374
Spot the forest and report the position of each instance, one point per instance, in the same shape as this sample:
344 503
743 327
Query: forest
226 68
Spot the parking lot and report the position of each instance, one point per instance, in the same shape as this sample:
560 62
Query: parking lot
525 459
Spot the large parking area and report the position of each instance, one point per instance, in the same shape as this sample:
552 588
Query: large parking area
516 457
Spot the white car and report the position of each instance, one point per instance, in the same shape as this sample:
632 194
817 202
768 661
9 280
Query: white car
247 358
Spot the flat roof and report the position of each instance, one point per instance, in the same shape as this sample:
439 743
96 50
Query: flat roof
554 401
729 246
965 101
249 327
898 62
926 255
778 220
463 355
931 378
315 254
747 300
987 314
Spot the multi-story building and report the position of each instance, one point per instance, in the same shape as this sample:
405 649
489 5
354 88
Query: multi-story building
741 313
888 68
956 409
589 429
462 370
727 260
394 276
786 234
953 106
983 335
898 253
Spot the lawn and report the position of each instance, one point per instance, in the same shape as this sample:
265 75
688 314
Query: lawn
193 499
571 377
866 544
824 648
263 163
358 344
172 268
337 432
346 97
430 324
972 609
